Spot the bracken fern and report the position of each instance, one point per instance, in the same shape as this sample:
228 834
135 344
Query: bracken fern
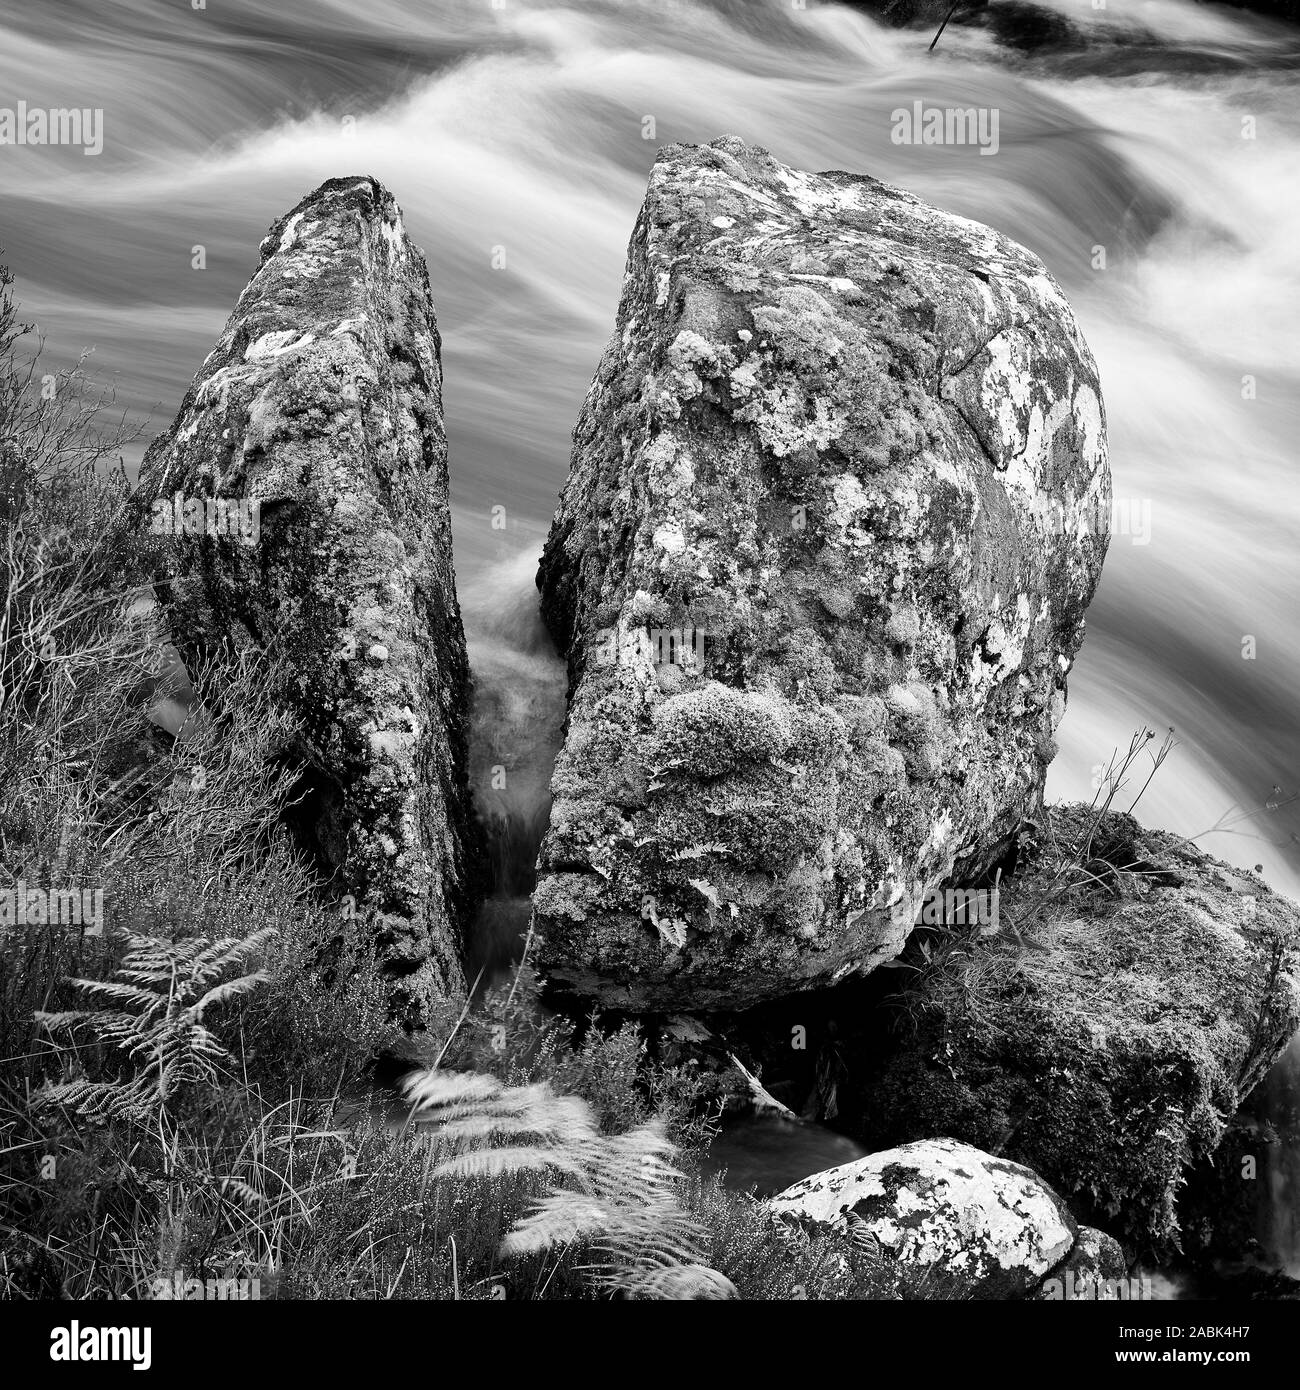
163 989
617 1192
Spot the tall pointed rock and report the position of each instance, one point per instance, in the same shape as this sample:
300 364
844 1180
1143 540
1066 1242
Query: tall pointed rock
310 457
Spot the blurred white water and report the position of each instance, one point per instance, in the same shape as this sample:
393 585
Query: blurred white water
517 135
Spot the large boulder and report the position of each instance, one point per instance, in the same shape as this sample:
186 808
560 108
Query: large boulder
976 1226
1136 991
309 456
837 502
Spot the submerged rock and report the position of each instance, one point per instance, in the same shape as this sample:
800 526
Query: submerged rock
1136 992
976 1226
1019 24
837 503
310 458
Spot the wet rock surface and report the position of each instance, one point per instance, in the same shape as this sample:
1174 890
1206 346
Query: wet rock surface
1095 1269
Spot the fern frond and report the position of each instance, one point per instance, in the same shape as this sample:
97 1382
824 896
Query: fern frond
118 992
472 1127
232 989
429 1088
162 990
494 1163
68 1018
97 1100
559 1219
247 1195
686 1281
621 1194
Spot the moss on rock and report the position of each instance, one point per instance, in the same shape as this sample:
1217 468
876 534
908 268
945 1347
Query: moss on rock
1108 1044
321 406
829 438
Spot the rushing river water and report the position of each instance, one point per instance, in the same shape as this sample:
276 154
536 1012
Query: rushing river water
515 139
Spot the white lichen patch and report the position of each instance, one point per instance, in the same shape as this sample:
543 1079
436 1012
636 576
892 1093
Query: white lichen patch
942 1204
1087 412
688 352
1005 391
785 420
391 745
902 700
277 344
290 232
394 235
849 502
1006 643
670 538
744 379
817 197
839 283
940 834
1026 468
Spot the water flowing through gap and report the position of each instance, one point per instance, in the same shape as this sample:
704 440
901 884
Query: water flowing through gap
517 143
516 731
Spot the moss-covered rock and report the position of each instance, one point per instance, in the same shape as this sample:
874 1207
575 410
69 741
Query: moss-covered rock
1137 989
1095 1269
837 502
319 413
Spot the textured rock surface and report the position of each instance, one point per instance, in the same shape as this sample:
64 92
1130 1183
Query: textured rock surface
1095 1270
322 404
833 438
988 1229
1110 1049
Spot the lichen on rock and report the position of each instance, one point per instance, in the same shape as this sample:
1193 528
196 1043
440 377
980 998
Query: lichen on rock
979 1226
834 438
320 406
